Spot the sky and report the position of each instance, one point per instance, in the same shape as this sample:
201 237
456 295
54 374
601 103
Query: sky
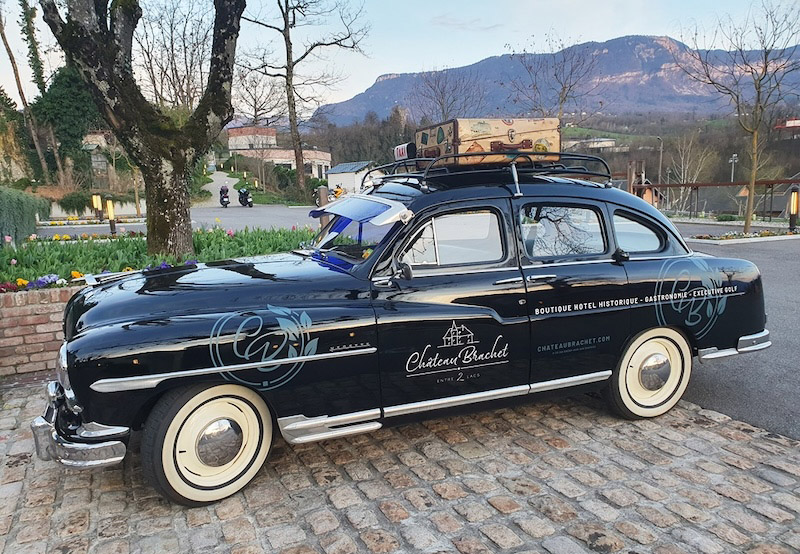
417 35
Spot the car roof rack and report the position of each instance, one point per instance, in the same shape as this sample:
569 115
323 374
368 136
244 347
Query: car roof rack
517 162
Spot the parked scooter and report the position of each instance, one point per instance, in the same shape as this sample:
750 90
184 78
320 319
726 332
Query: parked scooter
245 198
224 200
333 194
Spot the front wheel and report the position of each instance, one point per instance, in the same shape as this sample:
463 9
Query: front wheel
652 375
249 204
204 443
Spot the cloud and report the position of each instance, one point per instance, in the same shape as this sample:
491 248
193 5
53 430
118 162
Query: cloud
476 24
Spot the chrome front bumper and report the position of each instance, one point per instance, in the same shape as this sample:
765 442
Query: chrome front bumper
747 343
50 445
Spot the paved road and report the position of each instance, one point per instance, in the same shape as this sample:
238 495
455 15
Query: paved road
760 388
563 478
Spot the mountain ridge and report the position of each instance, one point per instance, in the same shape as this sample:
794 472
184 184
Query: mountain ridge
634 73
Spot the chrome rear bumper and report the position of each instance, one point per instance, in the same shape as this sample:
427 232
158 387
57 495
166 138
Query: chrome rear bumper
747 343
50 445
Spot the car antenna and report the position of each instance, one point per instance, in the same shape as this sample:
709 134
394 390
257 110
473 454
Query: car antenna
516 178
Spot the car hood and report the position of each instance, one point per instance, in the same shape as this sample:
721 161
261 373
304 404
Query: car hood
215 287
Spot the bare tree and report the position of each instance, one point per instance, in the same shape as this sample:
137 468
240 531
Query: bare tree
757 55
30 120
294 14
260 99
172 51
559 77
97 37
440 95
689 162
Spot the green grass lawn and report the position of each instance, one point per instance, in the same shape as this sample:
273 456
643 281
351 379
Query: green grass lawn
585 132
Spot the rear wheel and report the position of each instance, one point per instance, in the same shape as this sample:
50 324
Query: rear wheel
204 443
652 375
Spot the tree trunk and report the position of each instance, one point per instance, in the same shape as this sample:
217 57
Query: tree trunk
751 187
62 177
169 226
295 132
26 110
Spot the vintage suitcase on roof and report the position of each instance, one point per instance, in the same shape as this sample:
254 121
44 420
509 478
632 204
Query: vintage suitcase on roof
493 136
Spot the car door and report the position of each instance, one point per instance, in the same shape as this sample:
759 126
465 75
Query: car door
456 332
576 292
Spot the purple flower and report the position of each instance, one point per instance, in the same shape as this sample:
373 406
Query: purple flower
164 265
190 262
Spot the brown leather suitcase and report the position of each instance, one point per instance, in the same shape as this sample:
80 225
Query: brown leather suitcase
493 136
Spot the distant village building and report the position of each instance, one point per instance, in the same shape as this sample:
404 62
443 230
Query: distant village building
262 143
348 175
789 129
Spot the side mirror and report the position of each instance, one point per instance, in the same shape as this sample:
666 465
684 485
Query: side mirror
404 271
620 255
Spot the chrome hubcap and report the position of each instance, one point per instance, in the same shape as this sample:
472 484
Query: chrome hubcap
220 442
654 371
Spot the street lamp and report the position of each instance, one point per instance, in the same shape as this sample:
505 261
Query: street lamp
794 207
660 156
732 161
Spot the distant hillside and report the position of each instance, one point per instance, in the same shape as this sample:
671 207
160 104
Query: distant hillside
635 74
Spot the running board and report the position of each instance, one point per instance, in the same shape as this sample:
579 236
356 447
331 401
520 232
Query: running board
299 429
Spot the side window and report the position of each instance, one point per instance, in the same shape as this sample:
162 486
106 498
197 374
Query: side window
634 237
550 231
457 239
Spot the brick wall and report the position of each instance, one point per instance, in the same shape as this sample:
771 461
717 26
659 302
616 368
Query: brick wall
30 329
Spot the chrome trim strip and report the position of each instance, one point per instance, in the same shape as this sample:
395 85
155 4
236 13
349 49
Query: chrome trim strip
540 277
509 281
713 353
428 273
570 381
151 381
559 264
450 401
92 430
755 347
299 429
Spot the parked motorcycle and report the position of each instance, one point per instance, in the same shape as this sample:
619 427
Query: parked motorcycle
245 198
224 199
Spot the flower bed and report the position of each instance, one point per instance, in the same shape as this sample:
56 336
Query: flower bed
75 220
730 235
46 263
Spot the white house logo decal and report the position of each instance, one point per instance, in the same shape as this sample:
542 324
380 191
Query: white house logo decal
459 351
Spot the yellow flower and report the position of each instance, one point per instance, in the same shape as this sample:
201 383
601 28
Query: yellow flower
22 283
56 237
218 220
66 237
129 268
76 274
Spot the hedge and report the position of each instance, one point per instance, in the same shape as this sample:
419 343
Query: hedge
18 213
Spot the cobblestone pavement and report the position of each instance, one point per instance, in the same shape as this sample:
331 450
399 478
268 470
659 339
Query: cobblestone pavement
557 478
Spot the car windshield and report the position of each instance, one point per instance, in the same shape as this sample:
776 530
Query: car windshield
351 235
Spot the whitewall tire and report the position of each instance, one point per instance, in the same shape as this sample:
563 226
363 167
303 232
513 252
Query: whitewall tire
204 443
652 374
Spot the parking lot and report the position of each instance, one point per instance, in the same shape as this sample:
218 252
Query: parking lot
560 477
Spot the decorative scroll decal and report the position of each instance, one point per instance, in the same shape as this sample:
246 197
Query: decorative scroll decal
255 339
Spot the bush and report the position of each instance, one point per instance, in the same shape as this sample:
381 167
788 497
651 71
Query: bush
76 202
726 217
43 257
18 212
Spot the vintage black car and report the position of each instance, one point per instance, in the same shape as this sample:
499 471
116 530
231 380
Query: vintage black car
439 286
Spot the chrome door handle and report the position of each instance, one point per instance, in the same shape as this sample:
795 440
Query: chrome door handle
540 277
510 281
